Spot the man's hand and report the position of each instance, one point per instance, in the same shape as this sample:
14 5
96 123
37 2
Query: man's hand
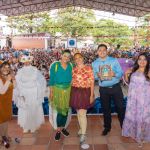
99 74
112 74
9 77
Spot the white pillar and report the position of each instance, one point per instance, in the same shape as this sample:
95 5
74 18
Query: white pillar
46 43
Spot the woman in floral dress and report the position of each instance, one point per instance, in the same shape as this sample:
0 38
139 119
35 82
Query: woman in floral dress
82 92
137 119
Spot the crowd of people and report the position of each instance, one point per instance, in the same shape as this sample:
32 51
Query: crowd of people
71 83
42 59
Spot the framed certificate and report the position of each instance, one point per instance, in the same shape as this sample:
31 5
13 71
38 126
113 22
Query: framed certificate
105 72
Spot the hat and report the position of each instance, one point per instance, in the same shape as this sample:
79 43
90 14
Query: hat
26 58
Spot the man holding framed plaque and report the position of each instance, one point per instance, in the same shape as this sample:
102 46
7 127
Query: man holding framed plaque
108 72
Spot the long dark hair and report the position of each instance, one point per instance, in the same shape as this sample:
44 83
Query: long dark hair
136 66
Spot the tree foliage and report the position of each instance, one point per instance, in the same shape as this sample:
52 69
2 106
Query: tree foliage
111 32
31 23
75 20
143 30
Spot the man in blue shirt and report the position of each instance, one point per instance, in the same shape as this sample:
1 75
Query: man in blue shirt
108 72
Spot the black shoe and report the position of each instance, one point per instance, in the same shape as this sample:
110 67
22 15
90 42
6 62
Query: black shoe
57 136
65 132
105 132
5 142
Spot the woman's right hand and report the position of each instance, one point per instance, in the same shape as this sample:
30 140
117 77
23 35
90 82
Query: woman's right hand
51 95
127 74
91 99
9 78
129 71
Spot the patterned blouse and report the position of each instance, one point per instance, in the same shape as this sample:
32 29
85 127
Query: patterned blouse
82 77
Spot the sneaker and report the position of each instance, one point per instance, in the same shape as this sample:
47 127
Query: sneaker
17 140
65 132
140 144
5 142
82 139
57 136
85 146
105 131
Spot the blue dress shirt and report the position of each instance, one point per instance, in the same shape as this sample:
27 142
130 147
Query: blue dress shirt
116 68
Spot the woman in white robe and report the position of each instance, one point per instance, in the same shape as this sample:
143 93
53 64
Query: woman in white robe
29 96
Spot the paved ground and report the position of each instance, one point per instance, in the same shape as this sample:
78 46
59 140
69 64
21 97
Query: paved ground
43 139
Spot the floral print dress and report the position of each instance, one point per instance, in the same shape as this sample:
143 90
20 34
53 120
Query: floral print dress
137 118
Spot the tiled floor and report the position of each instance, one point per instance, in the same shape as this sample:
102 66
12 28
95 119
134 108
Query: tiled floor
43 139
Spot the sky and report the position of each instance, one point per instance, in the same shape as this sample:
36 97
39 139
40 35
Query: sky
128 20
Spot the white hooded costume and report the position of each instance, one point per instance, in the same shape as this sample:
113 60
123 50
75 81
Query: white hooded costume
28 96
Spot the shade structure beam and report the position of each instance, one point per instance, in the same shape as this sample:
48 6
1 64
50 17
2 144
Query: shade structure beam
135 8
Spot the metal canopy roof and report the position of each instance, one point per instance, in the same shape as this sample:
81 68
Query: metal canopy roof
128 7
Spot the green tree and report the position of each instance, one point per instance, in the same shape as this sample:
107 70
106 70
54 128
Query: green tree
31 23
113 33
143 30
142 33
75 21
